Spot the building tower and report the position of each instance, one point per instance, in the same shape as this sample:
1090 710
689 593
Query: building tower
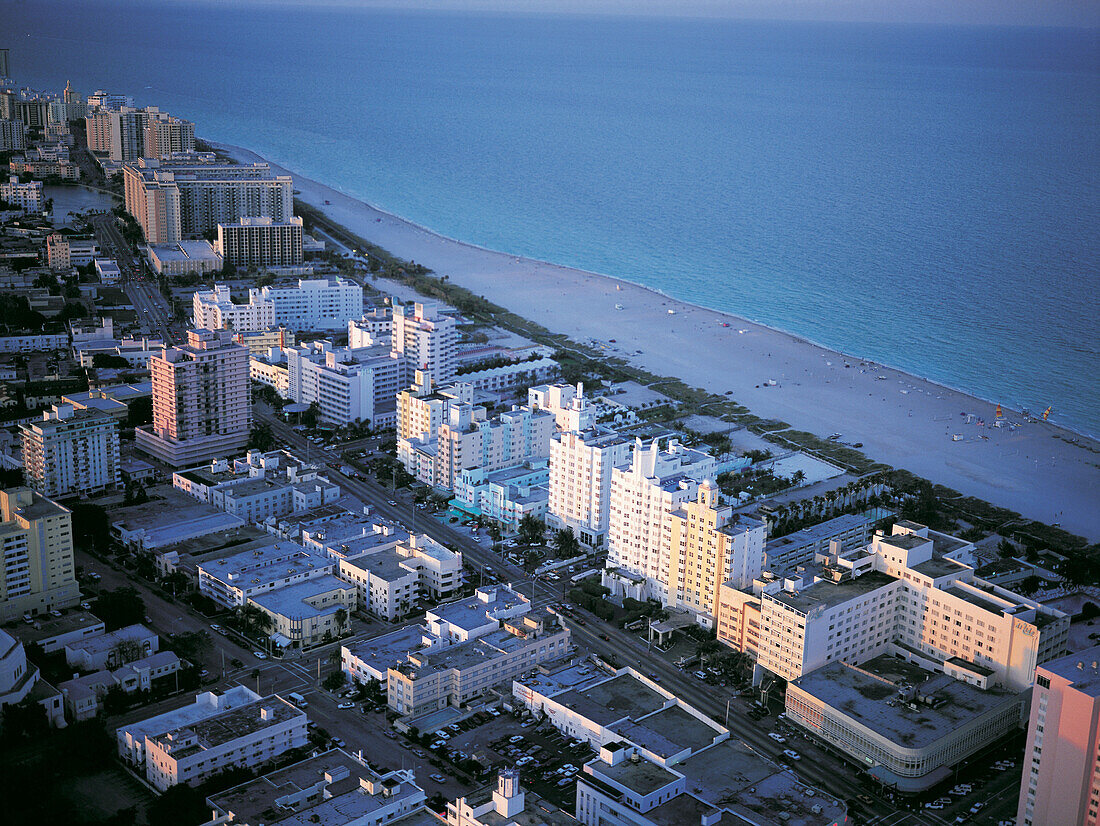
1061 781
508 796
202 406
36 569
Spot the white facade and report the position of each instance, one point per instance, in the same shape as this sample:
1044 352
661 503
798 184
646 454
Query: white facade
425 339
231 581
27 197
216 310
347 384
44 341
643 496
71 452
315 304
580 482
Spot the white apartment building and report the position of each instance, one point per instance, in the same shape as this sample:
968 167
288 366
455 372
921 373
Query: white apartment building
233 580
245 736
20 679
333 788
202 405
316 304
70 452
571 410
216 310
371 328
261 242
26 197
643 496
510 377
453 675
36 567
904 594
33 343
504 496
347 384
400 573
425 339
581 463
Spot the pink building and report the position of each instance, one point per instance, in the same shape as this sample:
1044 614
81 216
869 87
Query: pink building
201 401
1061 781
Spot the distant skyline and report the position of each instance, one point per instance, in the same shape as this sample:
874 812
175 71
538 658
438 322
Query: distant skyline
1075 13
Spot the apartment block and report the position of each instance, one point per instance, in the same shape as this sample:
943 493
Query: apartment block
36 570
307 613
581 464
1061 781
244 736
371 328
26 197
505 496
643 496
455 674
112 649
71 452
168 135
314 304
571 410
348 385
202 405
333 788
515 376
423 407
904 594
425 339
261 242
505 801
65 251
852 530
233 580
12 138
180 199
84 695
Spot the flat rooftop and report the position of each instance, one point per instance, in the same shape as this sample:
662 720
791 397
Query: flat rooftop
669 732
472 613
615 699
1080 669
937 566
862 694
291 601
977 599
828 594
202 706
643 777
385 651
819 533
558 680
386 565
263 565
46 626
229 725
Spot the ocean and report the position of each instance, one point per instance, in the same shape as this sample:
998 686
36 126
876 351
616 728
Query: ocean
927 197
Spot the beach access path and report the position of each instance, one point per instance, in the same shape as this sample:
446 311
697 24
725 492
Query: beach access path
902 420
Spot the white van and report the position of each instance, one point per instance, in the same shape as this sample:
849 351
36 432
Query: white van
297 699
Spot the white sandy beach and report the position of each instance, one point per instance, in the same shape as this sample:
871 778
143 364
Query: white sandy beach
902 420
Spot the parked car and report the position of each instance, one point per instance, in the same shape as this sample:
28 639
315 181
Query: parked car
215 627
438 778
236 663
779 738
346 704
516 738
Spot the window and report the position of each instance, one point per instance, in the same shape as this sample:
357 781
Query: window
1044 682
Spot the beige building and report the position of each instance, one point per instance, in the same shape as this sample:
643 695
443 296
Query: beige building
71 452
710 545
261 242
425 339
202 406
644 494
168 135
184 258
1061 781
466 441
36 569
422 408
303 614
452 675
903 594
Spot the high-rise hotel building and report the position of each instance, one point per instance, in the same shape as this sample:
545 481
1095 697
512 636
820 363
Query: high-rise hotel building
201 400
36 567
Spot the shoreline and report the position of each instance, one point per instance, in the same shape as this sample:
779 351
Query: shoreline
1041 470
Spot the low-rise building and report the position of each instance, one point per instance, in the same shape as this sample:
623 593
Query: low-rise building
237 729
852 530
137 351
505 496
20 680
508 377
453 675
108 270
84 695
907 727
26 197
397 572
233 580
50 633
505 802
33 343
307 613
330 788
184 258
113 649
64 251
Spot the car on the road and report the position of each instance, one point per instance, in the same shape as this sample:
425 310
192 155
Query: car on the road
779 738
605 637
391 502
419 753
259 655
86 606
936 805
215 627
791 753
438 778
346 704
236 663
565 781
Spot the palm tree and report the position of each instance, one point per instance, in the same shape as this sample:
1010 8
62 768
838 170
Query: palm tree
341 618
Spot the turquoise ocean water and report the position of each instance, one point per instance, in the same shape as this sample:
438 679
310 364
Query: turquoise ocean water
924 196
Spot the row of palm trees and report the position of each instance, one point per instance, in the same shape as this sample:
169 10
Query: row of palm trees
830 503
